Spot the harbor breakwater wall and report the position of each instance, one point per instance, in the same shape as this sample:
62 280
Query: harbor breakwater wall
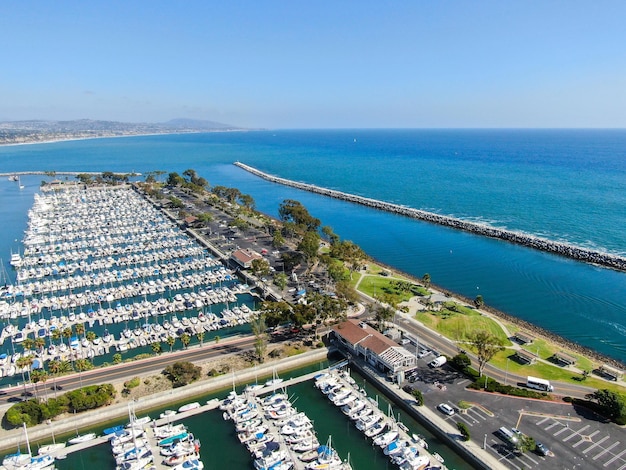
531 241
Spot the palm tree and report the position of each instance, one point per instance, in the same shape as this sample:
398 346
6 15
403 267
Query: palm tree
56 334
200 336
23 362
185 339
54 367
156 347
28 343
426 280
80 329
67 333
38 375
91 336
40 343
117 358
170 342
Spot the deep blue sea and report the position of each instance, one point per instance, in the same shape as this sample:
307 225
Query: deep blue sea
566 185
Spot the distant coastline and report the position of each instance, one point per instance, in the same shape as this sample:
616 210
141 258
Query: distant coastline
563 249
45 132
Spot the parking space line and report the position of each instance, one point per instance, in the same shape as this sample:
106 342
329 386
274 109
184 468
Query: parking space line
622 467
556 423
595 444
477 413
503 457
615 457
562 430
543 421
597 456
580 442
528 457
570 436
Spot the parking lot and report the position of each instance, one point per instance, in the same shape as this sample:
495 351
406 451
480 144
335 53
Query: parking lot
574 437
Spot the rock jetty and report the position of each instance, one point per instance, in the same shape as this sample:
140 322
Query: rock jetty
563 249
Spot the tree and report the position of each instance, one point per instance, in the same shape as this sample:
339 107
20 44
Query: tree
260 338
200 336
461 361
182 373
67 333
156 347
612 404
478 301
185 339
426 280
56 334
277 239
40 343
485 345
170 342
38 375
383 314
117 358
80 329
419 397
464 430
260 267
28 343
91 336
293 211
309 246
280 279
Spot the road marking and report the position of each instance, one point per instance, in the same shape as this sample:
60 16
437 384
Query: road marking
556 423
596 444
570 436
477 413
562 430
547 418
597 456
617 456
580 442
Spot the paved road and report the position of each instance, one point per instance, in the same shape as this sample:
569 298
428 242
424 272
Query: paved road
123 371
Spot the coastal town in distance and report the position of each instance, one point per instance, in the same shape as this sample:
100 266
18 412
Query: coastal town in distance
203 261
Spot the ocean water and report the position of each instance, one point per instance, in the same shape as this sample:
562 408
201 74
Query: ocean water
566 185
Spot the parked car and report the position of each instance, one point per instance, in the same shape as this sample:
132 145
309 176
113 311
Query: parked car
541 449
445 409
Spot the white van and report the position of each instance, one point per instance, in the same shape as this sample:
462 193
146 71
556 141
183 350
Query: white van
507 434
438 361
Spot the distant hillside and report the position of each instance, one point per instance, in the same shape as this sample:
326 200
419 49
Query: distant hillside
18 132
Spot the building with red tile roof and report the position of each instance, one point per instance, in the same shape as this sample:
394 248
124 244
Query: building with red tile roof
361 340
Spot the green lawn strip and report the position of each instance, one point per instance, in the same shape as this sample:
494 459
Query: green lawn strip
547 371
457 326
355 278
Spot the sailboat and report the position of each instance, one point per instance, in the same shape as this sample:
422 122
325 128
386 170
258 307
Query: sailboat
275 380
18 459
48 449
19 183
256 386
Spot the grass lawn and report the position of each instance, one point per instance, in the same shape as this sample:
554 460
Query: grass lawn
547 371
458 326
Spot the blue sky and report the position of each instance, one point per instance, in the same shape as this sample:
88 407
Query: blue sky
321 64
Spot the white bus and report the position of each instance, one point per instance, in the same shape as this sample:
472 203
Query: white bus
539 384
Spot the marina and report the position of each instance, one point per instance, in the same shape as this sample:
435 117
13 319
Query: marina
101 272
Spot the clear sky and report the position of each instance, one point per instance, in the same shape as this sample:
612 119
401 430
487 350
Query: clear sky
317 64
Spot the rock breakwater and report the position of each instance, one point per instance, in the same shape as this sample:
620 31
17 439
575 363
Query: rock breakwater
563 249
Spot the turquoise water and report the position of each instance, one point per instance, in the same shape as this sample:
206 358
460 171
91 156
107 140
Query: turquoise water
564 185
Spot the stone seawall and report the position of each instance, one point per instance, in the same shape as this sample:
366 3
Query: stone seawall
562 249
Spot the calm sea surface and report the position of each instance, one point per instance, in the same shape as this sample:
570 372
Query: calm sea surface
564 185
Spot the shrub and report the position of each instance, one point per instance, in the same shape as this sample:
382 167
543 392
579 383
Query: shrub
182 373
419 397
132 383
463 429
